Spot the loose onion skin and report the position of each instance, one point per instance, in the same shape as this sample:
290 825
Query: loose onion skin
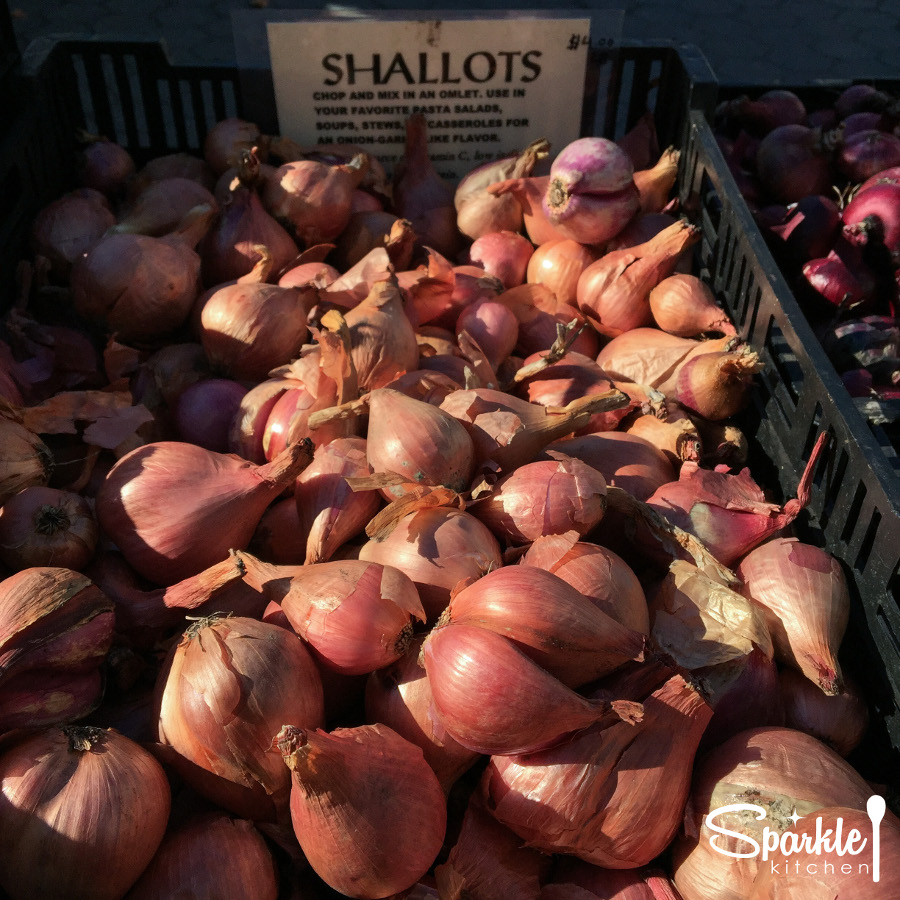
56 627
329 511
367 809
53 840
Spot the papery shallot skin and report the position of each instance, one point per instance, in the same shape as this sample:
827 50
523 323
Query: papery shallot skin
437 548
778 769
243 862
368 811
493 699
611 795
137 286
329 511
84 810
56 627
224 690
356 615
544 497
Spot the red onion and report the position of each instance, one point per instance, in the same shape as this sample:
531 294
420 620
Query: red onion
222 693
174 509
792 163
591 194
809 228
54 840
769 110
438 548
503 254
865 153
875 209
205 410
329 512
44 526
891 175
859 97
493 699
367 809
69 227
104 165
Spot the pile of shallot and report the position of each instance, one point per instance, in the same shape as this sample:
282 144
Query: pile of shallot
385 538
823 182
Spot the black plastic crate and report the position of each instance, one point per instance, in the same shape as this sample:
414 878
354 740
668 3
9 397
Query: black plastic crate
129 91
854 510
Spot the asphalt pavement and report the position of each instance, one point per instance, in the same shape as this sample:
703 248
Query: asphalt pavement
760 42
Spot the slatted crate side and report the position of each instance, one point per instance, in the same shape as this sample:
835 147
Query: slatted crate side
853 510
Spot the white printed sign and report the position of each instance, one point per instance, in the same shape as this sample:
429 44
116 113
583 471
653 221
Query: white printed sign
488 87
